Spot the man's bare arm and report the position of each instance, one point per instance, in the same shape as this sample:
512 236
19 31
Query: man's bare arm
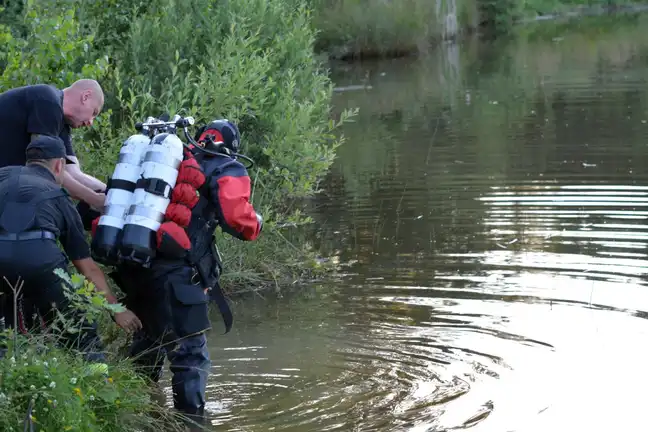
81 192
83 178
88 268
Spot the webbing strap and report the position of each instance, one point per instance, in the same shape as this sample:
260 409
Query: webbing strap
155 186
216 295
28 235
120 184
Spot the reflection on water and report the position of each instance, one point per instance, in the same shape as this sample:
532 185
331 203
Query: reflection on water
492 204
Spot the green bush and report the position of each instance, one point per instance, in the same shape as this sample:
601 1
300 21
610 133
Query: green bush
358 27
249 61
499 16
64 395
55 390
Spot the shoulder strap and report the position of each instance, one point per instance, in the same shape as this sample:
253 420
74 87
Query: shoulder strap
204 206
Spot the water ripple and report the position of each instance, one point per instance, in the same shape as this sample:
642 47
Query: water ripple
493 217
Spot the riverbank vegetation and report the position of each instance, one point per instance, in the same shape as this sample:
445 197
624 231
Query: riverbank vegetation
349 29
55 391
249 61
47 388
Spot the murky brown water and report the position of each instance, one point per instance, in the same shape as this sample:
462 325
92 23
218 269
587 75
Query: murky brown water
492 205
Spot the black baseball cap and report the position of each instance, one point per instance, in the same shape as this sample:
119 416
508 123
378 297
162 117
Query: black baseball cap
47 147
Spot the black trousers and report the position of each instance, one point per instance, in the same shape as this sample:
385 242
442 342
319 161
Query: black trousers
175 318
40 298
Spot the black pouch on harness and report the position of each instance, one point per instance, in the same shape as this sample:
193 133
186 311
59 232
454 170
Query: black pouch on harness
190 306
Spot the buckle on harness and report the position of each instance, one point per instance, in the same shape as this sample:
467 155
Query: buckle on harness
195 277
155 186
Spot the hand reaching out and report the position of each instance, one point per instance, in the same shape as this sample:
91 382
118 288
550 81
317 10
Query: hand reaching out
128 321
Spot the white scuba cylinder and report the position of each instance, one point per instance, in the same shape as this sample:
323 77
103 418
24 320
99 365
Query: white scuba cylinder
122 184
159 172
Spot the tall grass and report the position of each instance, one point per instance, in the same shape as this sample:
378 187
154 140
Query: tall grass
46 387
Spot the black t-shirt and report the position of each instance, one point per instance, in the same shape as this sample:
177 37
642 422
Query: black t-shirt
34 109
57 215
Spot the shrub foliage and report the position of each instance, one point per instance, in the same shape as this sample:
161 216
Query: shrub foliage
250 61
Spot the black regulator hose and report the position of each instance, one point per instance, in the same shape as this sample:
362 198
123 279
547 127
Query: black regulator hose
184 123
218 150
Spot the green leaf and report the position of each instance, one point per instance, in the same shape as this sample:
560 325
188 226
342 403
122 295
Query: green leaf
97 301
63 275
116 308
108 394
77 280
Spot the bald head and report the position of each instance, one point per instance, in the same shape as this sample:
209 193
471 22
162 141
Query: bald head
82 102
90 85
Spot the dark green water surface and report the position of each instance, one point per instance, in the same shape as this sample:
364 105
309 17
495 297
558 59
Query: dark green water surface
491 207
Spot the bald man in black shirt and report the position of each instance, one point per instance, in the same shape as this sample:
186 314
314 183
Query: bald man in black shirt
29 111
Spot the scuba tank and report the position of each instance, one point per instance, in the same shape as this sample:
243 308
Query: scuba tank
122 183
159 172
141 188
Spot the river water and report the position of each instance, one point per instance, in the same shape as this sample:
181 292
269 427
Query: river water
490 207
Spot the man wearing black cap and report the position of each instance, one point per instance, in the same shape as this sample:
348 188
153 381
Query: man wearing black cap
34 212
